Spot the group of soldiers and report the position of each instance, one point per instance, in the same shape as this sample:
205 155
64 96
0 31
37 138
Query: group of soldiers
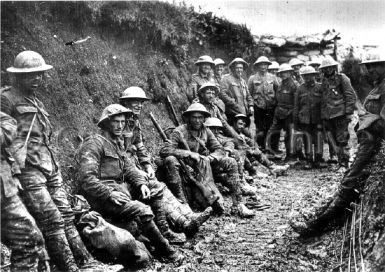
212 153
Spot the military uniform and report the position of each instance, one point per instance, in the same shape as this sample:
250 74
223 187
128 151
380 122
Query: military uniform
43 193
198 79
307 114
18 229
338 101
207 145
235 94
283 114
263 90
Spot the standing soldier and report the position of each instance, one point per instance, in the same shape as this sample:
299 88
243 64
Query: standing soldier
195 144
307 114
338 103
315 63
18 229
203 75
133 98
234 92
297 64
40 177
263 86
283 114
370 133
110 181
218 70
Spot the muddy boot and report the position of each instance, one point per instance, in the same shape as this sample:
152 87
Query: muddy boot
278 170
218 207
161 244
60 253
191 226
247 189
319 162
333 159
242 211
161 222
79 250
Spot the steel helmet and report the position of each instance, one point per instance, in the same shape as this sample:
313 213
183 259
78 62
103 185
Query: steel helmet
134 93
328 62
213 122
244 117
29 62
112 110
219 62
295 61
314 62
273 66
208 85
308 70
285 68
238 60
205 59
262 59
196 107
375 56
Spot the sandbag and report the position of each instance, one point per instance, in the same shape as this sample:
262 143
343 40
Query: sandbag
118 242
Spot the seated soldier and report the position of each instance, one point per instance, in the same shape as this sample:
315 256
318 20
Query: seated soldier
193 144
178 213
216 127
253 153
109 180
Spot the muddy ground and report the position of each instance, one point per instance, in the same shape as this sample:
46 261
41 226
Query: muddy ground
267 242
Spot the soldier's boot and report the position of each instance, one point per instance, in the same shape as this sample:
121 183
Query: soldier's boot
242 211
161 222
218 207
247 189
278 170
82 256
309 162
319 162
60 253
191 225
161 244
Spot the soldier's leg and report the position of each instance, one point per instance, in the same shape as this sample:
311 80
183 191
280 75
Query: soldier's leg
269 122
272 135
342 136
48 217
259 116
174 181
21 234
60 198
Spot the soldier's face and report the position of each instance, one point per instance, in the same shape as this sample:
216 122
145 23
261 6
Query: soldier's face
135 105
310 78
329 71
209 95
219 69
263 67
238 70
239 125
196 120
376 71
117 124
285 75
205 68
296 67
30 81
273 71
215 130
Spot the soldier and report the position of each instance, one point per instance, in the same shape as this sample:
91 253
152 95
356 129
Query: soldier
18 229
253 153
283 114
196 145
370 133
263 86
110 181
338 103
218 70
307 113
203 75
40 177
273 68
133 99
234 92
297 64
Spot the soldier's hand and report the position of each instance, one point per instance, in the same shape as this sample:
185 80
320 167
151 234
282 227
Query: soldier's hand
251 109
195 157
150 171
119 198
145 191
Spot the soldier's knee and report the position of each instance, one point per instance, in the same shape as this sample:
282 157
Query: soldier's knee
230 164
54 224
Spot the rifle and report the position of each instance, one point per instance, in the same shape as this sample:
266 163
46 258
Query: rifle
171 107
209 195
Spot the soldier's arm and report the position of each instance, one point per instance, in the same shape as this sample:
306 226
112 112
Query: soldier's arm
88 159
171 148
249 98
142 153
8 130
349 94
132 174
6 105
212 143
223 94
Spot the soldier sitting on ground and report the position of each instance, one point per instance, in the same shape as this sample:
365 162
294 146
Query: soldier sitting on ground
194 143
110 181
253 153
180 214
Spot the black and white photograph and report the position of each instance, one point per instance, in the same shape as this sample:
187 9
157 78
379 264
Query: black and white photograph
192 136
